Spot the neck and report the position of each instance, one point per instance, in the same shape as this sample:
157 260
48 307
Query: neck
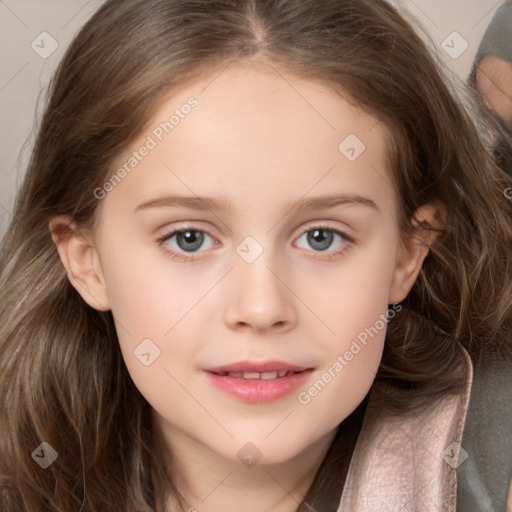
211 483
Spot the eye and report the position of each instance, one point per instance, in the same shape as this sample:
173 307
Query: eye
178 243
182 244
320 238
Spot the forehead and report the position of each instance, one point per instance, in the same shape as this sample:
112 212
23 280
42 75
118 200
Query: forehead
256 130
265 100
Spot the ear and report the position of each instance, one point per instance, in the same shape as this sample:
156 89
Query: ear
80 259
413 251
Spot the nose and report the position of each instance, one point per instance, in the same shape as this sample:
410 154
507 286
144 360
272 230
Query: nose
260 298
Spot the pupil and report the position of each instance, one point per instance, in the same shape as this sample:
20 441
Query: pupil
315 237
193 238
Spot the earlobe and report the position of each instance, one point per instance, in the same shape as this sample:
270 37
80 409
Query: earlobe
413 251
80 259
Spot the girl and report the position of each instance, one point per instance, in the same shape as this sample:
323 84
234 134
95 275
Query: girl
349 262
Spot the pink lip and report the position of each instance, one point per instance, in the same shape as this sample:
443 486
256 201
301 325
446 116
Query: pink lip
258 390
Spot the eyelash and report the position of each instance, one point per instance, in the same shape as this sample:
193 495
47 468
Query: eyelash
181 257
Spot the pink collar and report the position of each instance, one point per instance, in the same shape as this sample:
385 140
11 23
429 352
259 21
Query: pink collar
408 463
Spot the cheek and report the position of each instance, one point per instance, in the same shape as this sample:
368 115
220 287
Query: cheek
354 306
352 354
149 295
154 312
355 296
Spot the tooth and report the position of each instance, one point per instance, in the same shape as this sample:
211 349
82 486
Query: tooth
251 375
269 375
282 374
236 374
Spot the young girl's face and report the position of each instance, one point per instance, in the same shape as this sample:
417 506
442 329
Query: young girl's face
288 258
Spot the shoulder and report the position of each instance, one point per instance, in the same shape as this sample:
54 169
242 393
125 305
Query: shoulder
485 477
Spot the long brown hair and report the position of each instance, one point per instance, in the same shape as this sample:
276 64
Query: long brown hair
63 380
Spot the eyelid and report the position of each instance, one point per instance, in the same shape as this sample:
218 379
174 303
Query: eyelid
310 226
324 225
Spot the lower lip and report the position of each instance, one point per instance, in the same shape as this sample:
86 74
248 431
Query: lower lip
258 390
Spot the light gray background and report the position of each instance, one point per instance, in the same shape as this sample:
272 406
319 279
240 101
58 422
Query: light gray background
25 74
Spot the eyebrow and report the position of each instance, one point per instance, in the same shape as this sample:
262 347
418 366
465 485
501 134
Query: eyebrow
304 204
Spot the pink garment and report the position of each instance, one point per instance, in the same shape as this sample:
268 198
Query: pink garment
408 463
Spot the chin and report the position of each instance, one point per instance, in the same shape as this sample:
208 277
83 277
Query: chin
266 451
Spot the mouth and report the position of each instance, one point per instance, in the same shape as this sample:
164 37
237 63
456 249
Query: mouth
259 382
256 375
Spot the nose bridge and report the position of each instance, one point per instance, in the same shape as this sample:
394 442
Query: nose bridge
260 298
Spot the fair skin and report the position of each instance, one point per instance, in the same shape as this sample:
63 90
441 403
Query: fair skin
494 79
261 141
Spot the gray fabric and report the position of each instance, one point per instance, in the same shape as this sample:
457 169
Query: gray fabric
497 39
484 478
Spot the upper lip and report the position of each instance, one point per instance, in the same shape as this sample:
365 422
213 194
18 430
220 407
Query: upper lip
257 367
